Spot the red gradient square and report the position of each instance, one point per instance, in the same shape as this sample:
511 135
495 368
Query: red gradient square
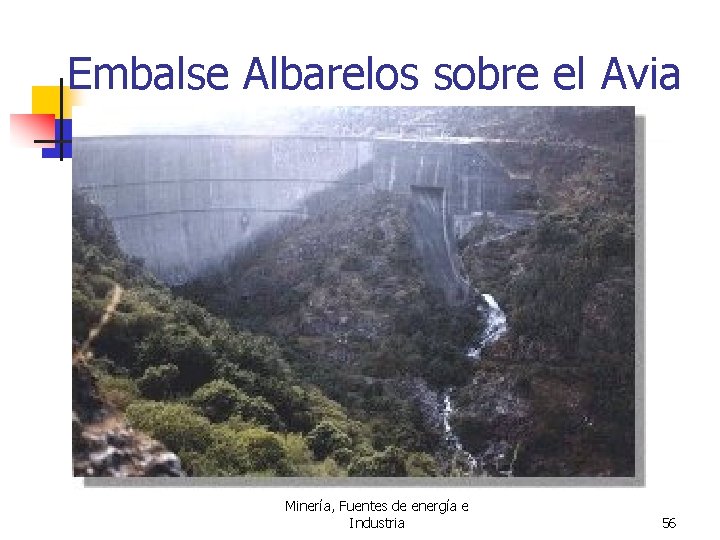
25 128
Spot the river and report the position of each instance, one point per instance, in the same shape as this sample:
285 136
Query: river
495 327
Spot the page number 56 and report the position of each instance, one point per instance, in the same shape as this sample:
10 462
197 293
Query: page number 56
669 523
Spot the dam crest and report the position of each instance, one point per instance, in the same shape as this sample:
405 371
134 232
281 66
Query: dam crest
184 202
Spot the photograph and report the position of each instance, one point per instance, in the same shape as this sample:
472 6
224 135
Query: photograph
339 292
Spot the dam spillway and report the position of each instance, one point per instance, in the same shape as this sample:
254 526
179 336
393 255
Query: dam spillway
184 202
436 248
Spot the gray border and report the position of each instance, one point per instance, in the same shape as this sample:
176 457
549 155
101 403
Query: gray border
640 382
633 481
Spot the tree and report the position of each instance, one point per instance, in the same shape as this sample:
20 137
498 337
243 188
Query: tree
175 424
182 345
217 400
389 462
159 382
266 451
326 437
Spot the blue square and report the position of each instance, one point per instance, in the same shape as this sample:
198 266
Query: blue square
54 152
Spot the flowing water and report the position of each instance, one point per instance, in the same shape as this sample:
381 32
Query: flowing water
495 327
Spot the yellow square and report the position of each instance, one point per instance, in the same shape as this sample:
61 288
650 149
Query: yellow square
46 100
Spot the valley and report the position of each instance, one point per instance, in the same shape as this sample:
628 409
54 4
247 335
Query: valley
419 306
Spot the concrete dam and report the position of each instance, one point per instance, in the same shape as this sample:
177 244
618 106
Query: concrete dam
182 203
431 230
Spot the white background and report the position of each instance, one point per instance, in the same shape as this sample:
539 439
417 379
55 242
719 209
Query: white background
42 500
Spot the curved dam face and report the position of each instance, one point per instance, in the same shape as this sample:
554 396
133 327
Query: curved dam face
182 203
430 224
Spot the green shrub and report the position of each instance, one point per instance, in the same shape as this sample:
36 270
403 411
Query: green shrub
291 403
159 382
296 449
326 437
228 452
119 391
326 468
220 399
260 411
243 379
131 323
223 458
258 354
266 451
389 462
182 345
421 464
85 313
217 400
342 456
197 464
175 424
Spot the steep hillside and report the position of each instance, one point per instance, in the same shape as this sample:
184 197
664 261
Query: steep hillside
559 386
346 295
225 401
333 344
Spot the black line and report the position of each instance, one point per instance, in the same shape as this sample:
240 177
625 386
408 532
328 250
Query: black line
222 180
248 209
52 141
62 145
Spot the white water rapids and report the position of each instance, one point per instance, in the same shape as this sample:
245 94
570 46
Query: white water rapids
495 327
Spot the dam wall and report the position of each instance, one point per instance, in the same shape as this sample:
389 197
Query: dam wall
473 181
437 247
182 203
